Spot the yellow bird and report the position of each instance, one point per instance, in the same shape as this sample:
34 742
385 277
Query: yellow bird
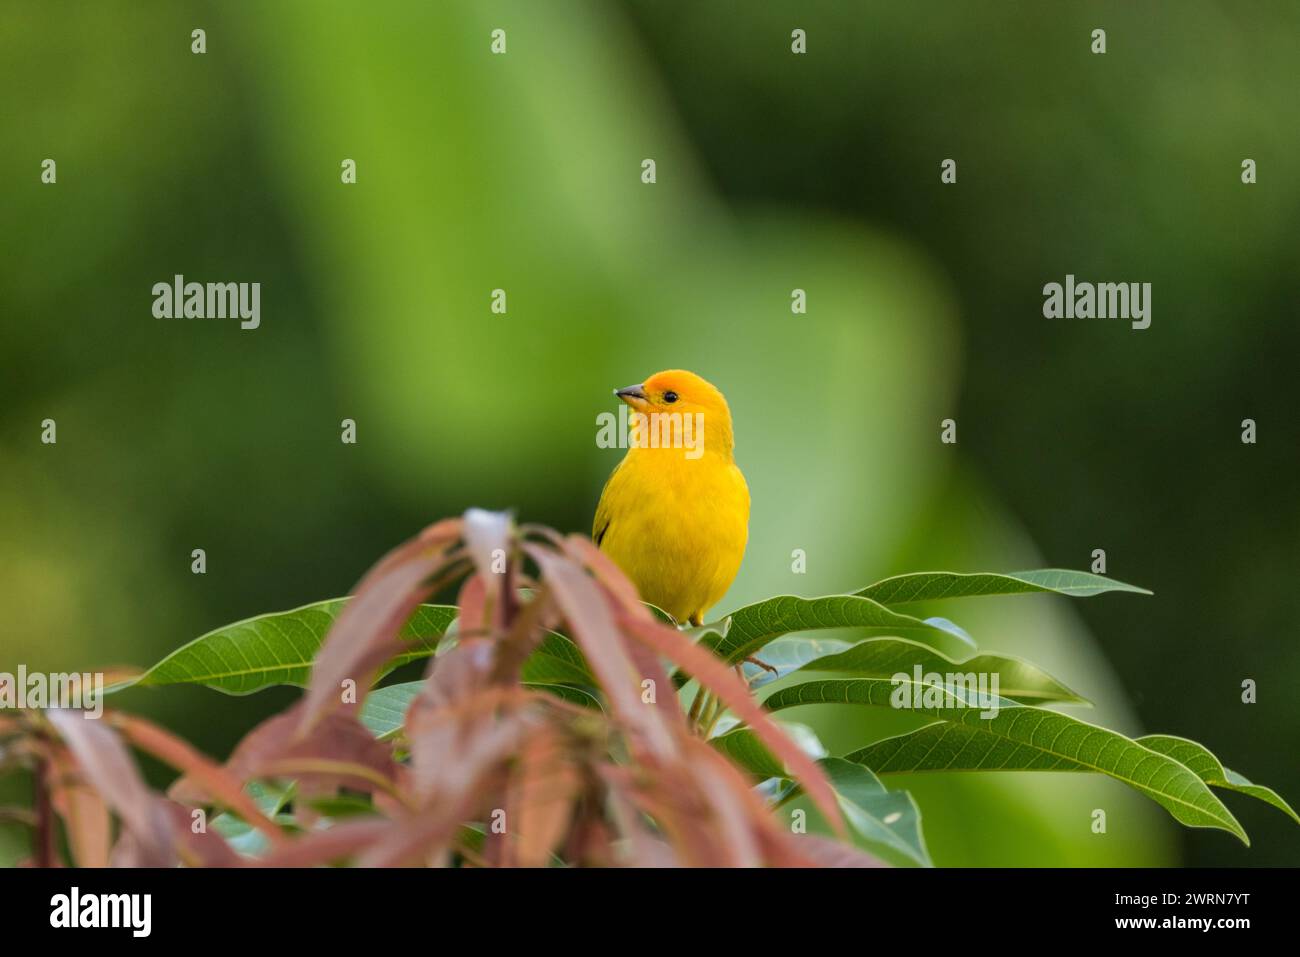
674 514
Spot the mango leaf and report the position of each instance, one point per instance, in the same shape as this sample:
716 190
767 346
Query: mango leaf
880 818
951 748
731 690
883 818
242 836
582 697
278 649
745 750
246 840
953 627
789 654
1203 763
776 791
718 629
934 586
384 710
1018 736
103 762
884 657
557 660
755 625
341 806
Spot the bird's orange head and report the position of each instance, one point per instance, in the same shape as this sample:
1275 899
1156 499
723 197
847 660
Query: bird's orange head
676 390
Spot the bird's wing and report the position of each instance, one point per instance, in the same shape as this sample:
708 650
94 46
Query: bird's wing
604 512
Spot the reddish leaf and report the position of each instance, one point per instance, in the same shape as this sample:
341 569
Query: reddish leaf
592 622
473 620
385 599
413 842
737 815
670 796
584 550
542 792
217 783
84 812
198 848
456 729
447 529
338 752
531 621
623 594
428 837
107 766
719 678
340 842
641 848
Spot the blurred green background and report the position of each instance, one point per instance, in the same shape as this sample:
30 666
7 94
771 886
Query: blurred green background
775 172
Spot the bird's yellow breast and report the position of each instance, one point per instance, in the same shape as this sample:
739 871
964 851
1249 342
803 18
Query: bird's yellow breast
676 526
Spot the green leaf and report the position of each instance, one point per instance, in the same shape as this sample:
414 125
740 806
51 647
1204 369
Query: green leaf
933 586
384 710
880 817
1201 761
339 806
557 660
885 657
943 747
278 649
883 818
717 629
953 627
242 836
582 697
743 747
789 654
755 625
1019 736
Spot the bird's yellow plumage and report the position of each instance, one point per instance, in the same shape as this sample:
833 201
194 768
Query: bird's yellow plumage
674 518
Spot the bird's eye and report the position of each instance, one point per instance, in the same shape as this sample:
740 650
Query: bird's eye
670 396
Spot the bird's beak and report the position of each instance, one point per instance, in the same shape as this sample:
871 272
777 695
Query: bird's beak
632 394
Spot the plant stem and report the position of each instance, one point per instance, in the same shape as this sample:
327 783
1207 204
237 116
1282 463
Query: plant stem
716 713
697 706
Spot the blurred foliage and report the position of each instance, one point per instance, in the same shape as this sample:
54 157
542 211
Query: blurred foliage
522 172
